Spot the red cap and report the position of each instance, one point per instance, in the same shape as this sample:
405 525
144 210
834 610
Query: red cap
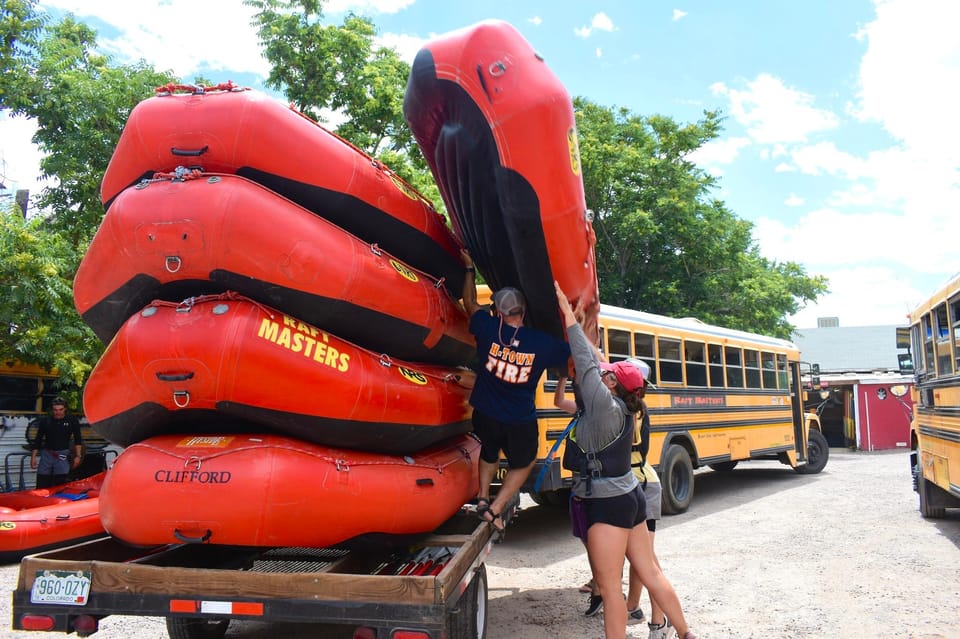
629 376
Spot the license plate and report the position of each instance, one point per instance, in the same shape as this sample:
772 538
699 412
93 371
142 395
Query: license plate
69 587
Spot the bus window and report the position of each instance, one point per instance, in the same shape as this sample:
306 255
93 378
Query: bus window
715 355
769 370
643 349
734 367
671 367
695 363
955 317
603 341
927 331
751 362
944 351
782 371
618 343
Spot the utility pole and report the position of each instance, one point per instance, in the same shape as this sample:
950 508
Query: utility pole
22 198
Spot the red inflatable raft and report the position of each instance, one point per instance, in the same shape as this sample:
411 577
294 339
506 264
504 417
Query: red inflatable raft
227 129
43 518
268 490
497 128
182 368
176 239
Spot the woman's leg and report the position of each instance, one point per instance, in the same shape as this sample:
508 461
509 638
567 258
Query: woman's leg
606 548
643 561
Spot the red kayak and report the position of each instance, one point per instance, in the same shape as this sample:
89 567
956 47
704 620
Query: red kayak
228 129
176 239
184 367
497 128
44 518
268 490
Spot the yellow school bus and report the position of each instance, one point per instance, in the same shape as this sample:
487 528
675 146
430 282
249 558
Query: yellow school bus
935 428
719 397
25 390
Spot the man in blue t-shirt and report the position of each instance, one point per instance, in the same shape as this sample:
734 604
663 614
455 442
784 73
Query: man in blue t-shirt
511 359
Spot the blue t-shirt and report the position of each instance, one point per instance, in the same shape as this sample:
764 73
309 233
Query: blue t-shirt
510 363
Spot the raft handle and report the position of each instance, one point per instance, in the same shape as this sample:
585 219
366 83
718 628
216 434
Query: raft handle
483 83
173 263
192 540
425 482
174 377
189 152
181 398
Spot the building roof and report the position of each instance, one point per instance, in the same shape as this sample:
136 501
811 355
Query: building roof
849 349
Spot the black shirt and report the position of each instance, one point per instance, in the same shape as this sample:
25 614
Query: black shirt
55 434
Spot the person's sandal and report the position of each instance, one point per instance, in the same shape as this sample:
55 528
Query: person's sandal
483 507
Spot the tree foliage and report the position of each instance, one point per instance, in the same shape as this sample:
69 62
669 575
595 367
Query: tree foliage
80 101
664 245
339 71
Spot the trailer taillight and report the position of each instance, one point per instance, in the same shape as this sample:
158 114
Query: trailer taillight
85 625
410 634
37 622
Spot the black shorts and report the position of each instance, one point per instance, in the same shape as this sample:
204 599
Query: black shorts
622 511
517 441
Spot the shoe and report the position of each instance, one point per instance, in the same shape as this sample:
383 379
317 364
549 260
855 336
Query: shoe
689 635
665 631
635 616
596 605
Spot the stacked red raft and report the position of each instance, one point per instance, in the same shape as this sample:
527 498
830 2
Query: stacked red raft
286 363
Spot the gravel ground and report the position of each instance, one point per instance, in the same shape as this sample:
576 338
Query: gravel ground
762 553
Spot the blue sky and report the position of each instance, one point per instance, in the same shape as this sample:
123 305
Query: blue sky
838 142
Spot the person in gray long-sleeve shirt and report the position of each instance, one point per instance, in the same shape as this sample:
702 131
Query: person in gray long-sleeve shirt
605 489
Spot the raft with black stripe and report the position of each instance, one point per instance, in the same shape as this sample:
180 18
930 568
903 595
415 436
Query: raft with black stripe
174 239
185 367
497 129
268 490
229 129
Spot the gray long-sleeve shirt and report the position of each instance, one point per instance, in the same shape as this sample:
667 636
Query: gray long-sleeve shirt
602 419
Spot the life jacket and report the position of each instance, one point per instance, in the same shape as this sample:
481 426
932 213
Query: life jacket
613 460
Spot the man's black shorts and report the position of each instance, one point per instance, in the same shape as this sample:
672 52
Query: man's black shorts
519 442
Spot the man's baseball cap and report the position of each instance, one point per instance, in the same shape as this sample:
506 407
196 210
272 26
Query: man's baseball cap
509 301
629 375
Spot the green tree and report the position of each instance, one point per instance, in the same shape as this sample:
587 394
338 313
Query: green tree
80 101
663 244
325 69
36 275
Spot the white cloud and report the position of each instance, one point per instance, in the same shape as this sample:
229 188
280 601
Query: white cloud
854 298
678 14
160 34
365 7
784 167
599 22
826 158
19 158
406 46
910 74
773 112
719 151
794 200
599 52
535 21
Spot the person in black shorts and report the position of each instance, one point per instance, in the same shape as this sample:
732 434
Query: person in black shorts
511 360
52 446
607 497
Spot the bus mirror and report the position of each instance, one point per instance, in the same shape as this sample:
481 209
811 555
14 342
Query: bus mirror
905 362
898 390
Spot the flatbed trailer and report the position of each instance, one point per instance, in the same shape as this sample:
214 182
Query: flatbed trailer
434 587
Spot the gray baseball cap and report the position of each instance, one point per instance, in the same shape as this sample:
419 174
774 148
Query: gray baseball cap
509 301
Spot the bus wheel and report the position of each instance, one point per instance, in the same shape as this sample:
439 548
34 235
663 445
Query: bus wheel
559 497
926 509
469 619
724 466
676 477
818 451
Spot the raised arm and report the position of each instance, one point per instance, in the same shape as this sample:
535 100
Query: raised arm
469 285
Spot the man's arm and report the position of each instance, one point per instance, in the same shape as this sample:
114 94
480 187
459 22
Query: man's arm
469 285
